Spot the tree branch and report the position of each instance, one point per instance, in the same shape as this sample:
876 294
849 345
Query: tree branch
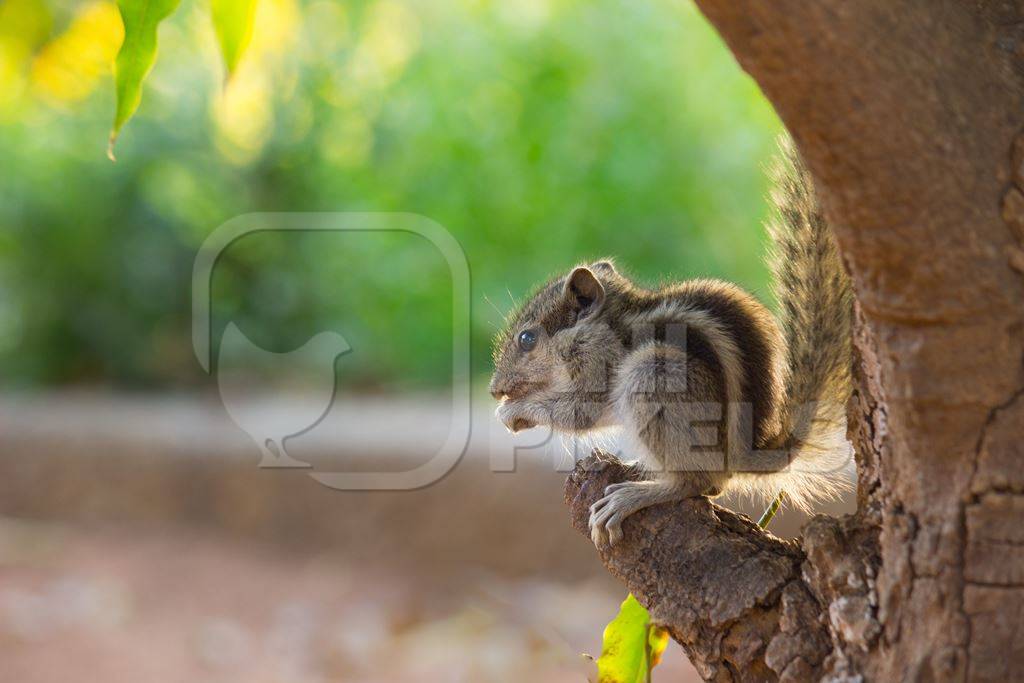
728 592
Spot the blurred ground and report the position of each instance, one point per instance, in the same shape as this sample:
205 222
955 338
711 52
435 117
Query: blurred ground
181 606
140 541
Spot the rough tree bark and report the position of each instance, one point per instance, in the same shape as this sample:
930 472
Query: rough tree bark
910 115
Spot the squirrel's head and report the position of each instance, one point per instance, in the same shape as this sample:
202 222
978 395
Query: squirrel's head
554 361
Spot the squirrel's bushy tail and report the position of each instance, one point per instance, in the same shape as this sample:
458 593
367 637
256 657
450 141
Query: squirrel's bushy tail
815 302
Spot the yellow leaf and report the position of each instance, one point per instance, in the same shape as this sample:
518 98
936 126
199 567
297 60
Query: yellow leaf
136 56
632 645
24 26
68 67
657 641
233 22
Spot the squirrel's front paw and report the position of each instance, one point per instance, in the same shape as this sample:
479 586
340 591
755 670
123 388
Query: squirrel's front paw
607 514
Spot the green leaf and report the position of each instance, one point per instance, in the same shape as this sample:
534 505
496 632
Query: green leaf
136 56
233 22
632 645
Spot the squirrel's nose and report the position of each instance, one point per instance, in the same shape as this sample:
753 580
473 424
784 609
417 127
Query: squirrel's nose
498 389
510 388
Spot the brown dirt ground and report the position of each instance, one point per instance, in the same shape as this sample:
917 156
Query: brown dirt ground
120 604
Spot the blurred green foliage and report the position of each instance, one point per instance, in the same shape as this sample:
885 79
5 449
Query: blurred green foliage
538 132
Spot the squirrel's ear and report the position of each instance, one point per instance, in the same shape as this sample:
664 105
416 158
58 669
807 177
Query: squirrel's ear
584 292
606 266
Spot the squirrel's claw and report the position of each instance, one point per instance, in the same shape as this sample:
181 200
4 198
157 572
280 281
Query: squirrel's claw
607 514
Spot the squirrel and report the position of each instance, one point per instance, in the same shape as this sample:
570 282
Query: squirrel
712 393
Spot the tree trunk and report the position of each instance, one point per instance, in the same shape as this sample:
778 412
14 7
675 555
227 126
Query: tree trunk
910 115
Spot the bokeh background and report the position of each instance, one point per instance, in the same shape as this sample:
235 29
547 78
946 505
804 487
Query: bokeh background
139 538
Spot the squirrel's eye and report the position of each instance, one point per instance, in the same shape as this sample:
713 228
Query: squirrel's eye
527 340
